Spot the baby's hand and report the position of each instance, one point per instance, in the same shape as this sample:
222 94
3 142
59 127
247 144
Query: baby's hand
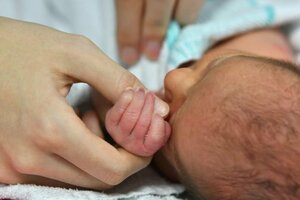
132 123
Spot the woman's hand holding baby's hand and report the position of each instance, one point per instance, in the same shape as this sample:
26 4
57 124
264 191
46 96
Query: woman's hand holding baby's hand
134 125
42 140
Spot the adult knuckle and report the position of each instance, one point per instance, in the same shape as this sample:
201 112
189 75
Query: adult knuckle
7 174
76 40
127 37
9 178
76 44
81 40
117 176
25 164
126 80
155 28
48 135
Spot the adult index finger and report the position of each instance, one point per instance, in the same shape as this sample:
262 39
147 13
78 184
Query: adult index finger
187 11
129 17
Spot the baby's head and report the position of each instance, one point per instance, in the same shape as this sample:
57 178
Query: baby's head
236 128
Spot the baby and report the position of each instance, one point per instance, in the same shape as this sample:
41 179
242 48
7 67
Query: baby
235 117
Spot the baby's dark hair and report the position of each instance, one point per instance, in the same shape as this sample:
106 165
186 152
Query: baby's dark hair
263 124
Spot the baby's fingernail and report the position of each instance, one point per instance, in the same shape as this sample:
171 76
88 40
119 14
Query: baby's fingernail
152 49
161 107
129 55
140 93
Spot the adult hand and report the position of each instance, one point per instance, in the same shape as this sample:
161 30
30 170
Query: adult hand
41 137
142 24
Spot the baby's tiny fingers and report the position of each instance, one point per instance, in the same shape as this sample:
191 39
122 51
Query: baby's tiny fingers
133 111
156 135
143 124
115 114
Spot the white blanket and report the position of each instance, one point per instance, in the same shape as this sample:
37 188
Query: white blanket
146 184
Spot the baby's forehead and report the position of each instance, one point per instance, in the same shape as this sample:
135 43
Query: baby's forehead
234 80
241 70
252 63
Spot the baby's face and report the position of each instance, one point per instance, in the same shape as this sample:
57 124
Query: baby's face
182 89
193 94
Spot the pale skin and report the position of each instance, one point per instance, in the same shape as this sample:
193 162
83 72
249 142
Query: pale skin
151 19
40 133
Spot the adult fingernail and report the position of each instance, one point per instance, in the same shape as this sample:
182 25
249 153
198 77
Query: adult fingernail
128 94
129 55
161 107
152 49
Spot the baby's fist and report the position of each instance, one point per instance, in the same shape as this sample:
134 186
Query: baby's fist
134 125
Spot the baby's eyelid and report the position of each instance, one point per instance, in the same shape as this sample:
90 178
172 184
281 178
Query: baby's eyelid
187 64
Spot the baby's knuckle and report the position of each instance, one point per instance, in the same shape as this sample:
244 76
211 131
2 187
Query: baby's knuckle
120 109
131 116
144 124
111 126
125 127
